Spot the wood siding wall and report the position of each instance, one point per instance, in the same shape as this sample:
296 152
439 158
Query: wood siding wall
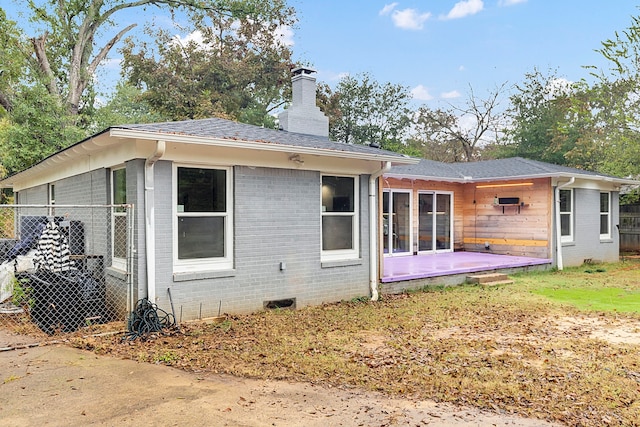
523 230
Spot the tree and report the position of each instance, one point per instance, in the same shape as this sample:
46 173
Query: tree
12 61
615 101
458 133
238 69
38 127
125 106
63 53
544 119
364 111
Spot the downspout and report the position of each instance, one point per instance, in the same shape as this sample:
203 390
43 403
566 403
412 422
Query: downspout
149 208
559 264
373 231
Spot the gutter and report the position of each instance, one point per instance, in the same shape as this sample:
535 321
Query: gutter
559 264
373 231
149 213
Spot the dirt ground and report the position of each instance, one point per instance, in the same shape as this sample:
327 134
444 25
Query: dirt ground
56 385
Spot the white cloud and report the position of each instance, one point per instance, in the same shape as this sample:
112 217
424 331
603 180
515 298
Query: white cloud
450 95
465 8
507 3
409 19
461 68
421 93
284 33
387 9
194 37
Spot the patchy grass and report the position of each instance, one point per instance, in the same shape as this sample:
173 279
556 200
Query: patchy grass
511 349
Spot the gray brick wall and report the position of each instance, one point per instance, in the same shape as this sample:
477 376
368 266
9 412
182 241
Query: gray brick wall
277 220
587 243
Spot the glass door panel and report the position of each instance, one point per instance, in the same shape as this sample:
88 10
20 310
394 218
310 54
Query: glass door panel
401 222
425 222
443 221
396 222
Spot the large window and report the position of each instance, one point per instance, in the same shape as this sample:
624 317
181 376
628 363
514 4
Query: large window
605 216
566 215
203 224
339 217
119 218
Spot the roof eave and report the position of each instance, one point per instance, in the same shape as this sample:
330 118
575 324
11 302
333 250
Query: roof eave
258 145
472 180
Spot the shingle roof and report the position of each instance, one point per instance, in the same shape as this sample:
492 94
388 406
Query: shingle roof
500 169
230 130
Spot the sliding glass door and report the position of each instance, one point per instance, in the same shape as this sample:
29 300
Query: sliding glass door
434 222
396 217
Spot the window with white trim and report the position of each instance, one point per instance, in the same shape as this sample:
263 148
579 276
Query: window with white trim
605 216
339 211
203 218
119 218
566 215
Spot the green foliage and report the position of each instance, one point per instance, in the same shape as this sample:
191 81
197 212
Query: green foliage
362 111
239 69
125 106
39 126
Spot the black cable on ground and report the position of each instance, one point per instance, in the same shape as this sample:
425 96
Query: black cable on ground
148 318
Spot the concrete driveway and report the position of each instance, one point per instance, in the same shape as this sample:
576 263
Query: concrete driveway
57 385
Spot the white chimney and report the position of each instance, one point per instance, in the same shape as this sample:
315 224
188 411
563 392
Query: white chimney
303 116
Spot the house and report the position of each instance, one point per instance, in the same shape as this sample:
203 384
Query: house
227 216
224 216
536 212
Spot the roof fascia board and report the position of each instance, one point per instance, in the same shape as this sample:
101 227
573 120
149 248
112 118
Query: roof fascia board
136 134
620 181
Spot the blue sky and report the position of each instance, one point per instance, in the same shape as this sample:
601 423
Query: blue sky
437 48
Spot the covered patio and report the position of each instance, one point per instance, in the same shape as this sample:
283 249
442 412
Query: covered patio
403 268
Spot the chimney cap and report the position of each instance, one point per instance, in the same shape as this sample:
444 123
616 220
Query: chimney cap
302 70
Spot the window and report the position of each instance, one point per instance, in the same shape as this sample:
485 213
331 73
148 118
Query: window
339 217
52 199
203 227
566 215
119 218
605 216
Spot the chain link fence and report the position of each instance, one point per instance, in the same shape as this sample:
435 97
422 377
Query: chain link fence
65 269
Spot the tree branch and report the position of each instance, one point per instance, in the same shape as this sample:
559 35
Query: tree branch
43 63
5 102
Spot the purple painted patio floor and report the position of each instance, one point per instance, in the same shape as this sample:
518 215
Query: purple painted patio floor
421 266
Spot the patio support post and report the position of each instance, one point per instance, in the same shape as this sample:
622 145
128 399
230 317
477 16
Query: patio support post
559 187
149 208
373 230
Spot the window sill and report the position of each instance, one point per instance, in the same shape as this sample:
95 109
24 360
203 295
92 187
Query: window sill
341 263
116 273
606 240
568 244
201 275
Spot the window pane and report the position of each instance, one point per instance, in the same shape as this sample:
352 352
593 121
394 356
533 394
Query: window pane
337 232
119 187
565 200
565 225
604 224
337 194
202 190
200 237
120 236
604 202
